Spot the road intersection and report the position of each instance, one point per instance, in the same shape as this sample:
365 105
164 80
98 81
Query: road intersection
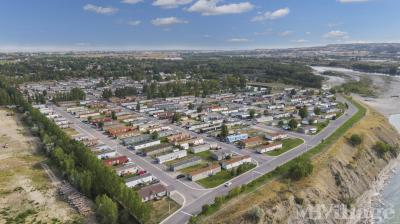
191 196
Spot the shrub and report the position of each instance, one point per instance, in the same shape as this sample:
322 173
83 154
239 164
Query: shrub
205 209
355 140
301 168
298 200
256 214
381 148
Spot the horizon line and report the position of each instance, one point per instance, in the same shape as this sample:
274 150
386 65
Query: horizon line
77 49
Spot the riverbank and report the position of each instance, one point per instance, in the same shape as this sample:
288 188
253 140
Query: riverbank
387 101
381 201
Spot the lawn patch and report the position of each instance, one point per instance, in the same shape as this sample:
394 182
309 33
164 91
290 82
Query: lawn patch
225 175
288 144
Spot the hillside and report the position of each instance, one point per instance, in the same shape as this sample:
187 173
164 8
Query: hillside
341 175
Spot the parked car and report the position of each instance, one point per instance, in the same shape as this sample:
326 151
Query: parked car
228 184
180 176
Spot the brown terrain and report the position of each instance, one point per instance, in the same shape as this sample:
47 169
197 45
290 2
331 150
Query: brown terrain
342 175
27 195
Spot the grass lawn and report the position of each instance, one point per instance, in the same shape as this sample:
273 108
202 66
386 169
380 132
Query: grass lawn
189 156
71 132
288 144
192 168
222 177
162 209
206 155
321 126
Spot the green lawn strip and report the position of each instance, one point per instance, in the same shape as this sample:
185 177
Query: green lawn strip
288 144
223 176
216 179
282 170
321 126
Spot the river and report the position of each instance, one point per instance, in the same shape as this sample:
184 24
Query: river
344 70
391 192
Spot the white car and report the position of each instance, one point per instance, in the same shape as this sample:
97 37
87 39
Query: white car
227 184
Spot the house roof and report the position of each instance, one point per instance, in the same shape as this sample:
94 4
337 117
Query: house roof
138 177
152 189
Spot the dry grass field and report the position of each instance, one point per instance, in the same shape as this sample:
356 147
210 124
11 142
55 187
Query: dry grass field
26 193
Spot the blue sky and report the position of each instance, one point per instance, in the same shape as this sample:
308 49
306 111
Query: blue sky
193 24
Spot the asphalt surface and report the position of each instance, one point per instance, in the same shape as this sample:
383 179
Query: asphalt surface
192 197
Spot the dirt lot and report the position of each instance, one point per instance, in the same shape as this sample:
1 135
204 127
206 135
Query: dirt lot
26 193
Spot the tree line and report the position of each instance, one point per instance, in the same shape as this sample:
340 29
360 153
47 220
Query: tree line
73 94
198 88
79 166
218 67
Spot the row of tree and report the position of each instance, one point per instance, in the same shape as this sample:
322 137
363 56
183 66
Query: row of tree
78 165
196 87
73 94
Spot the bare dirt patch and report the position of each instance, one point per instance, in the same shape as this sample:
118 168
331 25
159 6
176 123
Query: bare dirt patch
26 193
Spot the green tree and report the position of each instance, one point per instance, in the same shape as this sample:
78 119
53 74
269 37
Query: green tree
154 135
224 131
317 111
107 93
177 117
293 124
113 115
200 109
85 182
303 112
106 210
191 106
252 113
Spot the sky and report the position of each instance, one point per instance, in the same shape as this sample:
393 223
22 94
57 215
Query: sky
28 25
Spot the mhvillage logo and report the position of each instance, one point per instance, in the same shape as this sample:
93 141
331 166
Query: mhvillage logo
343 213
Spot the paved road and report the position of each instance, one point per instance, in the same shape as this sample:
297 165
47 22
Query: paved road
184 214
194 198
188 193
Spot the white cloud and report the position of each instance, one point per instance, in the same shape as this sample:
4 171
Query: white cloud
210 7
168 4
277 14
300 41
336 34
352 1
100 9
238 40
134 22
285 33
308 33
167 21
132 2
